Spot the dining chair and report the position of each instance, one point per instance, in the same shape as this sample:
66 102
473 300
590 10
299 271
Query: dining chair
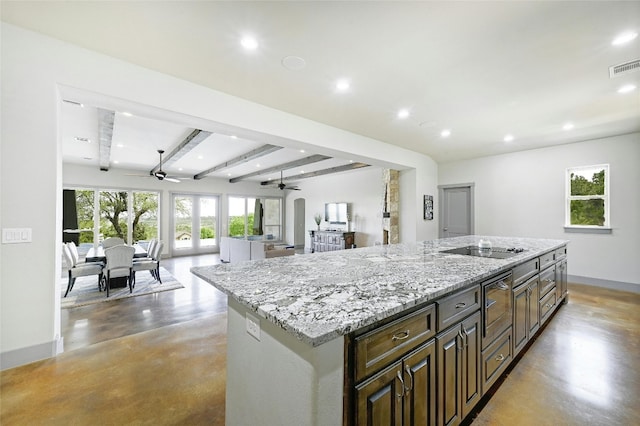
112 241
150 263
119 264
80 269
73 249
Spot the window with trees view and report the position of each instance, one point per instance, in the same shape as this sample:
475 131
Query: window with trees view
117 212
250 216
588 196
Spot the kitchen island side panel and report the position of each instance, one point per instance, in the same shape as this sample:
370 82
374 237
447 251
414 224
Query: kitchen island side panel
280 380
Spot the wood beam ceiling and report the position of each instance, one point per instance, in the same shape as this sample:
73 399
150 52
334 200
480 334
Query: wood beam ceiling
248 156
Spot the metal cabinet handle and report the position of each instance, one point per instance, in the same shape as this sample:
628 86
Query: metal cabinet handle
410 388
500 285
548 305
466 336
401 335
460 305
399 377
462 339
500 357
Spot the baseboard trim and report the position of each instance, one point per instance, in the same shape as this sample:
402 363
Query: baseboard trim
614 285
22 356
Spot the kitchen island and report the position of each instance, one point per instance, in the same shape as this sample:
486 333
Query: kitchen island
295 324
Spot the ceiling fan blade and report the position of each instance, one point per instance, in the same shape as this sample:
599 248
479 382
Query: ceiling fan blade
172 179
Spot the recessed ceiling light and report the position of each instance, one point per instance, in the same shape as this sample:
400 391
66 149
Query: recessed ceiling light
302 150
127 114
249 43
81 139
234 137
508 138
258 165
342 85
403 113
179 168
228 174
200 157
445 133
627 88
624 38
567 126
301 172
116 162
351 161
120 145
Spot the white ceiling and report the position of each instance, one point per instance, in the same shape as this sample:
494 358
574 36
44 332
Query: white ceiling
480 69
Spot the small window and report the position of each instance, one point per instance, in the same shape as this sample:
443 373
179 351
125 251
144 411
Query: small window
588 196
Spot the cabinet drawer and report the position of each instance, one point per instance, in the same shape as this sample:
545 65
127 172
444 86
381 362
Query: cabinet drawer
383 345
547 281
547 305
454 308
547 259
561 253
495 360
522 273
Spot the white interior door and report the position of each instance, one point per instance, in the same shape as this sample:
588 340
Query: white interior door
456 210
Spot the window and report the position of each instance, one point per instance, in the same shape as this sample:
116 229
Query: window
588 197
255 218
130 215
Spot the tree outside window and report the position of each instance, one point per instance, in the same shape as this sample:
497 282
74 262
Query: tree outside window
588 196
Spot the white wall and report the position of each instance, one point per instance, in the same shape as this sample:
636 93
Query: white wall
34 67
523 194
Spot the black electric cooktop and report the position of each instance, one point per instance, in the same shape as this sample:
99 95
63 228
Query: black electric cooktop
495 252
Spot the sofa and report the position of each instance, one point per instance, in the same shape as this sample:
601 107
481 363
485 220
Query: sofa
234 250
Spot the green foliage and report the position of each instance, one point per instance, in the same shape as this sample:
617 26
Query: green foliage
236 225
581 186
587 212
207 233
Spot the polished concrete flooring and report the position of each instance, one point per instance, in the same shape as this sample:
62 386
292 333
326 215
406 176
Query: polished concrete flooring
160 360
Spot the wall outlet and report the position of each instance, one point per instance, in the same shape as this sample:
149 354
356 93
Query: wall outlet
253 326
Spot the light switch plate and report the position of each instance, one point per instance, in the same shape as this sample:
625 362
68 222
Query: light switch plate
16 235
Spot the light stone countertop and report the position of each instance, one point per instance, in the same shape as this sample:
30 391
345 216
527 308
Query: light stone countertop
320 296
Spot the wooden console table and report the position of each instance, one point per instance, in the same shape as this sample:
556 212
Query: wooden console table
331 240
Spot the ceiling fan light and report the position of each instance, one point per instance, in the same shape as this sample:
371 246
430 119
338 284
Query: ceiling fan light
160 175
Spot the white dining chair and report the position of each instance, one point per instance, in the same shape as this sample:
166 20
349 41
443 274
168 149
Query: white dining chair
80 269
150 263
119 264
111 242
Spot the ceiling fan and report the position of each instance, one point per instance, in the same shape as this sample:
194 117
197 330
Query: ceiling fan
162 175
282 186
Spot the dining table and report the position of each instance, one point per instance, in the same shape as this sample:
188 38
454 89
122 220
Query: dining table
96 254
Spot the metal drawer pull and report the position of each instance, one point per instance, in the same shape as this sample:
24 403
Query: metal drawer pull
460 305
399 376
500 357
548 306
401 335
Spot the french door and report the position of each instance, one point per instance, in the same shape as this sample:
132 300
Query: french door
195 224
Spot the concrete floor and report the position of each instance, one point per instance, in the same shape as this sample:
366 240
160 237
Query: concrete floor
161 358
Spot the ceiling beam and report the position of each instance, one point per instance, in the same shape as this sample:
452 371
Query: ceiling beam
285 166
248 156
337 169
105 136
190 142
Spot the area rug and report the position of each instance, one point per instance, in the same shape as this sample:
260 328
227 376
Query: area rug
85 290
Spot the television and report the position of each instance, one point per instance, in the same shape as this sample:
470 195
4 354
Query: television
336 213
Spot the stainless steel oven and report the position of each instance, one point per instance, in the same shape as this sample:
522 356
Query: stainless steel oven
496 303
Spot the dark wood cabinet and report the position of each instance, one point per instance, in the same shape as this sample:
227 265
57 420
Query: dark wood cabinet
526 319
331 240
402 394
458 370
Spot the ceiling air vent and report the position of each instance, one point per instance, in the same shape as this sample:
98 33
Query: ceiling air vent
627 67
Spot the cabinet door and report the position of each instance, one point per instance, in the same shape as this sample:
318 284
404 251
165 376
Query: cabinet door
471 363
520 311
534 308
449 346
561 279
379 399
420 382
